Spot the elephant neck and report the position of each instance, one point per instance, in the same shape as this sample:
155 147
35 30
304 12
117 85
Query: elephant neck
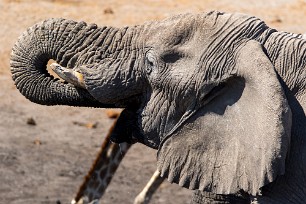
287 51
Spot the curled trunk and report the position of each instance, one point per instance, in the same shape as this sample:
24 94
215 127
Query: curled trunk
70 44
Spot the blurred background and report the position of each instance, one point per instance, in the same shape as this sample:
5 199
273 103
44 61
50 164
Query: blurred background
46 151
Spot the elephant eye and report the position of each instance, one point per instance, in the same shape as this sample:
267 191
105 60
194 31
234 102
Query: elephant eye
150 62
171 57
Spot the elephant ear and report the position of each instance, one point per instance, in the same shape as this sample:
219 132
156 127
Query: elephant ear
239 140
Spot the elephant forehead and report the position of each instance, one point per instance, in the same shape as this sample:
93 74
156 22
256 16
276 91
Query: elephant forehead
171 32
179 29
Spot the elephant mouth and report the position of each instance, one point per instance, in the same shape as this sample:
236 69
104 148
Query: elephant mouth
126 128
123 138
118 140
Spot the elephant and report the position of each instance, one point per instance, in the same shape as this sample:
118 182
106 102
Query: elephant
221 96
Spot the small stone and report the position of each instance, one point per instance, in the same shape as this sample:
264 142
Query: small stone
91 125
277 19
108 11
87 125
31 121
37 142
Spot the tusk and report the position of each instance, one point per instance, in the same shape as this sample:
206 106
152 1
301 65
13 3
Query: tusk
69 75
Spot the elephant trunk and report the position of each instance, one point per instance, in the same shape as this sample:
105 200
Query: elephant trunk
64 41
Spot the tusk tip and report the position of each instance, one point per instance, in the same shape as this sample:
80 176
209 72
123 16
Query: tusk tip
55 66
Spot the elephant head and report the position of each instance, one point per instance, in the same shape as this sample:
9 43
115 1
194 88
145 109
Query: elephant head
199 88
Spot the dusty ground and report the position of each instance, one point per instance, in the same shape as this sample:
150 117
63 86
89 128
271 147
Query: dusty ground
46 162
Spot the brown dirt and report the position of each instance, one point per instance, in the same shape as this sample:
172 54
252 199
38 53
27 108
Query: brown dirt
46 151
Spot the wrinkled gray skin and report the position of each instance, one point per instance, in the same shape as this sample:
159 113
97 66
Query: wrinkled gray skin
221 96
